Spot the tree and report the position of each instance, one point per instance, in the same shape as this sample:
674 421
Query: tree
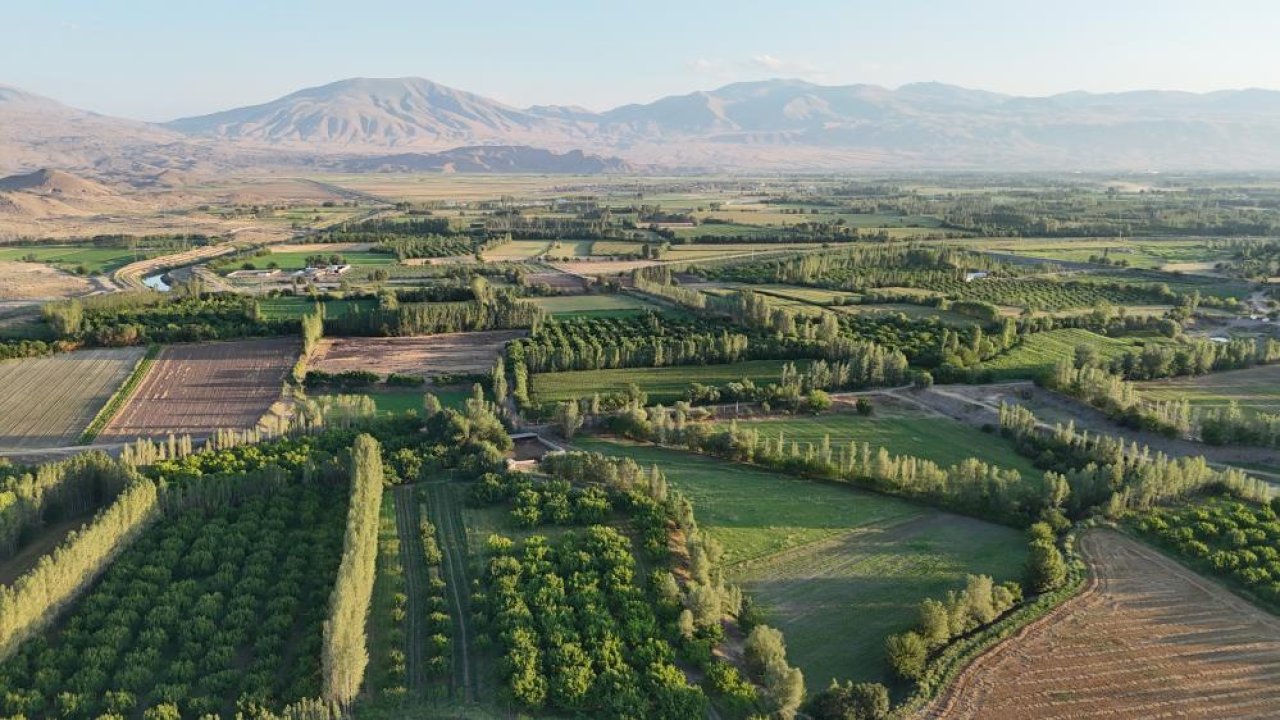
851 701
431 404
864 406
907 654
499 381
1046 568
764 645
568 418
783 689
935 623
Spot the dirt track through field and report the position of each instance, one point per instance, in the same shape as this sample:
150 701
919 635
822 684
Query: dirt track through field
447 516
415 576
1147 638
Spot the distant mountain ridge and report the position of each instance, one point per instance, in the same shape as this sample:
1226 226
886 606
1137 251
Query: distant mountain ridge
768 125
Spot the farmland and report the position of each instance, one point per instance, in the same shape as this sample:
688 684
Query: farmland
443 354
1146 625
1254 390
835 568
593 305
1039 352
75 258
49 401
293 307
663 385
209 604
903 432
201 388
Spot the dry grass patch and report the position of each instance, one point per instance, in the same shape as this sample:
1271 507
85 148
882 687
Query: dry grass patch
48 402
426 356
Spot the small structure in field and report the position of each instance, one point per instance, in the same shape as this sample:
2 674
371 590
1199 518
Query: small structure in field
976 275
528 449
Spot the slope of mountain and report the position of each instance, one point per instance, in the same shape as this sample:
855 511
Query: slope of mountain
372 112
791 125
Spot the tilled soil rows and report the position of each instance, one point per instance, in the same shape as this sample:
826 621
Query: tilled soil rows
199 388
1148 638
425 356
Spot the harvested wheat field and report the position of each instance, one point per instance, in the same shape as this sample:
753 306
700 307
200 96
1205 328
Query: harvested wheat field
48 402
23 280
424 356
199 388
1147 638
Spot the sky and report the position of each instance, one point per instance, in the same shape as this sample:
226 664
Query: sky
162 59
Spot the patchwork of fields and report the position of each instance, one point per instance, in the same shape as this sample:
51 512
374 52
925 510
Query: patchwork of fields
835 568
48 402
200 388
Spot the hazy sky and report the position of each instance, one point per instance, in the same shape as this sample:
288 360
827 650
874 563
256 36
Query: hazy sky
160 59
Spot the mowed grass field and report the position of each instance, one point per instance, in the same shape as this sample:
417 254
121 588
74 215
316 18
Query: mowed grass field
1039 352
48 402
1255 390
664 385
289 307
901 432
298 260
593 305
71 257
835 568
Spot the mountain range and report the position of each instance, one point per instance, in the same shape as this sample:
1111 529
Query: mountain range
415 124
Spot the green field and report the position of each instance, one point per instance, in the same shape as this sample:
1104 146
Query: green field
73 257
1041 351
1255 389
593 305
664 385
901 432
914 312
293 307
835 568
298 260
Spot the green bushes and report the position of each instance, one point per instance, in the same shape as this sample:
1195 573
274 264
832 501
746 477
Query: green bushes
577 634
976 606
345 653
197 614
1226 537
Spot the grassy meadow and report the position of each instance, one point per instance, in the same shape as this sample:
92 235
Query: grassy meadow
663 385
837 569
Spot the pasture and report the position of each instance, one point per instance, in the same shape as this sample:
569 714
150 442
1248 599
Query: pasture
664 384
902 431
837 569
74 258
1039 352
49 401
293 307
1255 390
199 388
593 305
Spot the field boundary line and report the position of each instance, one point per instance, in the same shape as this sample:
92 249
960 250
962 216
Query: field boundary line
414 570
120 396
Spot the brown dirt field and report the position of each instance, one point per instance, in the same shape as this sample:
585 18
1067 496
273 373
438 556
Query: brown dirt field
560 281
425 356
25 281
1148 638
199 388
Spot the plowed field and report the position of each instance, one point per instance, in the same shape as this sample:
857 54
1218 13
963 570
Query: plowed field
48 402
1148 638
199 388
